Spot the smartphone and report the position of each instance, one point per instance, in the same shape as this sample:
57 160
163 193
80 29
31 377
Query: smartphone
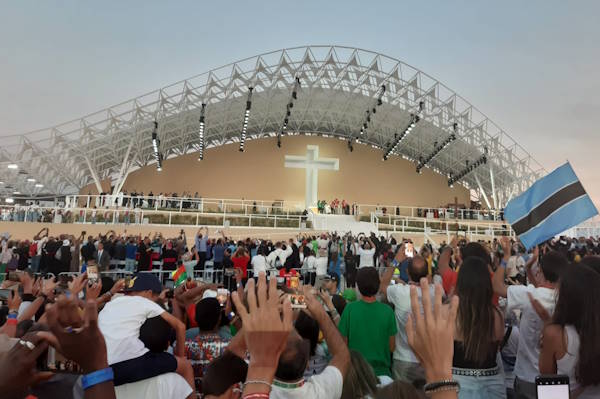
222 295
169 284
5 294
552 386
92 272
13 276
298 301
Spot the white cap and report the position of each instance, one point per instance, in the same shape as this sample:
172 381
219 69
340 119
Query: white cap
66 243
209 294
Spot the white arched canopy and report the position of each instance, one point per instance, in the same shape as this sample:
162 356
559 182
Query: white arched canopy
336 89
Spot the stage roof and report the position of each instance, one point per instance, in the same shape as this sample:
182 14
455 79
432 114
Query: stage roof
337 86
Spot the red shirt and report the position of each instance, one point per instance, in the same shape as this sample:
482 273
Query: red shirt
241 262
449 279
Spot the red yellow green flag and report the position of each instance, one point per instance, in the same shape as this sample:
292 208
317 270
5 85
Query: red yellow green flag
179 276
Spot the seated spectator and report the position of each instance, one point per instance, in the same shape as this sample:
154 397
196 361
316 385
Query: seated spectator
369 326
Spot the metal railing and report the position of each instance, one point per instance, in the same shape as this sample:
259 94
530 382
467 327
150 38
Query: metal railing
430 212
471 228
141 216
184 204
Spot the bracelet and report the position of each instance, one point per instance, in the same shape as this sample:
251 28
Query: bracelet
12 322
12 315
257 382
441 386
256 396
503 263
97 377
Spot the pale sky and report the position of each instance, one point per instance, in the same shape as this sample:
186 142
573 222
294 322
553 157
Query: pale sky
532 66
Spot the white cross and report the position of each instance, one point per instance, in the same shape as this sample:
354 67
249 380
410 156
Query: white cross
312 163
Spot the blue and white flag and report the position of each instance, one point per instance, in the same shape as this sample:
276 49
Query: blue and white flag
550 206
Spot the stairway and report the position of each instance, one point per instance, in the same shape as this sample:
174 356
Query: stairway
340 223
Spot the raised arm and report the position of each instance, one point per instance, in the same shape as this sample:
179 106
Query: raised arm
335 342
528 266
498 284
179 328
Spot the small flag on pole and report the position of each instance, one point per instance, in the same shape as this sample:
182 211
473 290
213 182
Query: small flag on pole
550 206
179 276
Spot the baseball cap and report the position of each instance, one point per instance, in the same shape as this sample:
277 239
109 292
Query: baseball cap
144 282
349 295
331 276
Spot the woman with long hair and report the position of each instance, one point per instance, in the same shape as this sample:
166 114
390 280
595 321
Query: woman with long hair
360 380
479 331
570 343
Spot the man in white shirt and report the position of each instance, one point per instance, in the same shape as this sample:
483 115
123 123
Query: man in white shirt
120 322
366 252
321 255
405 367
518 298
280 253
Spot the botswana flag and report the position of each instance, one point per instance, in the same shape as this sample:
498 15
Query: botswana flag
550 206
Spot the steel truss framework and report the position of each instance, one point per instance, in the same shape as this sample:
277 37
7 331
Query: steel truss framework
337 86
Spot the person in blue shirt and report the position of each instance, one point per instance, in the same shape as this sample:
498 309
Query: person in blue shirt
130 252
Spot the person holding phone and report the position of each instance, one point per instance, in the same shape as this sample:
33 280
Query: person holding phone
570 339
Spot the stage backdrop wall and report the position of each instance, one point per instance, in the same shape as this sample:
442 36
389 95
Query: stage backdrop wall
259 174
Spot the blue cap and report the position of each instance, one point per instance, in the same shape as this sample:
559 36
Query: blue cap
144 282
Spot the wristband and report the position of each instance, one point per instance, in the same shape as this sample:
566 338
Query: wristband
441 386
256 396
503 263
12 315
97 377
12 322
28 297
257 382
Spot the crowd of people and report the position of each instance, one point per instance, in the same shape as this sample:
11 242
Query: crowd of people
328 316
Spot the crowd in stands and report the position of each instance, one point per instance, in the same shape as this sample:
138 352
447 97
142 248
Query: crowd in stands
329 316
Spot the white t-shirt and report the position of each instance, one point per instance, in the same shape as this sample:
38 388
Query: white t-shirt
120 322
322 248
530 329
321 266
40 245
366 257
259 264
327 385
310 263
164 386
399 295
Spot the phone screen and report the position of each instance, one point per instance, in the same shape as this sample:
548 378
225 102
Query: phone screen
5 294
169 284
552 387
222 294
297 301
92 272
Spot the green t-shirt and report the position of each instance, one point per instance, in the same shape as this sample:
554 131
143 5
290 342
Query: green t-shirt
368 327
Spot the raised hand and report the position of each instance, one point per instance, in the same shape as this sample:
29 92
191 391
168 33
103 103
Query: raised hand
17 366
265 331
78 283
93 291
77 338
431 335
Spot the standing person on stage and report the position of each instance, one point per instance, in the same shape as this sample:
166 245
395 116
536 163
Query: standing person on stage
201 241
